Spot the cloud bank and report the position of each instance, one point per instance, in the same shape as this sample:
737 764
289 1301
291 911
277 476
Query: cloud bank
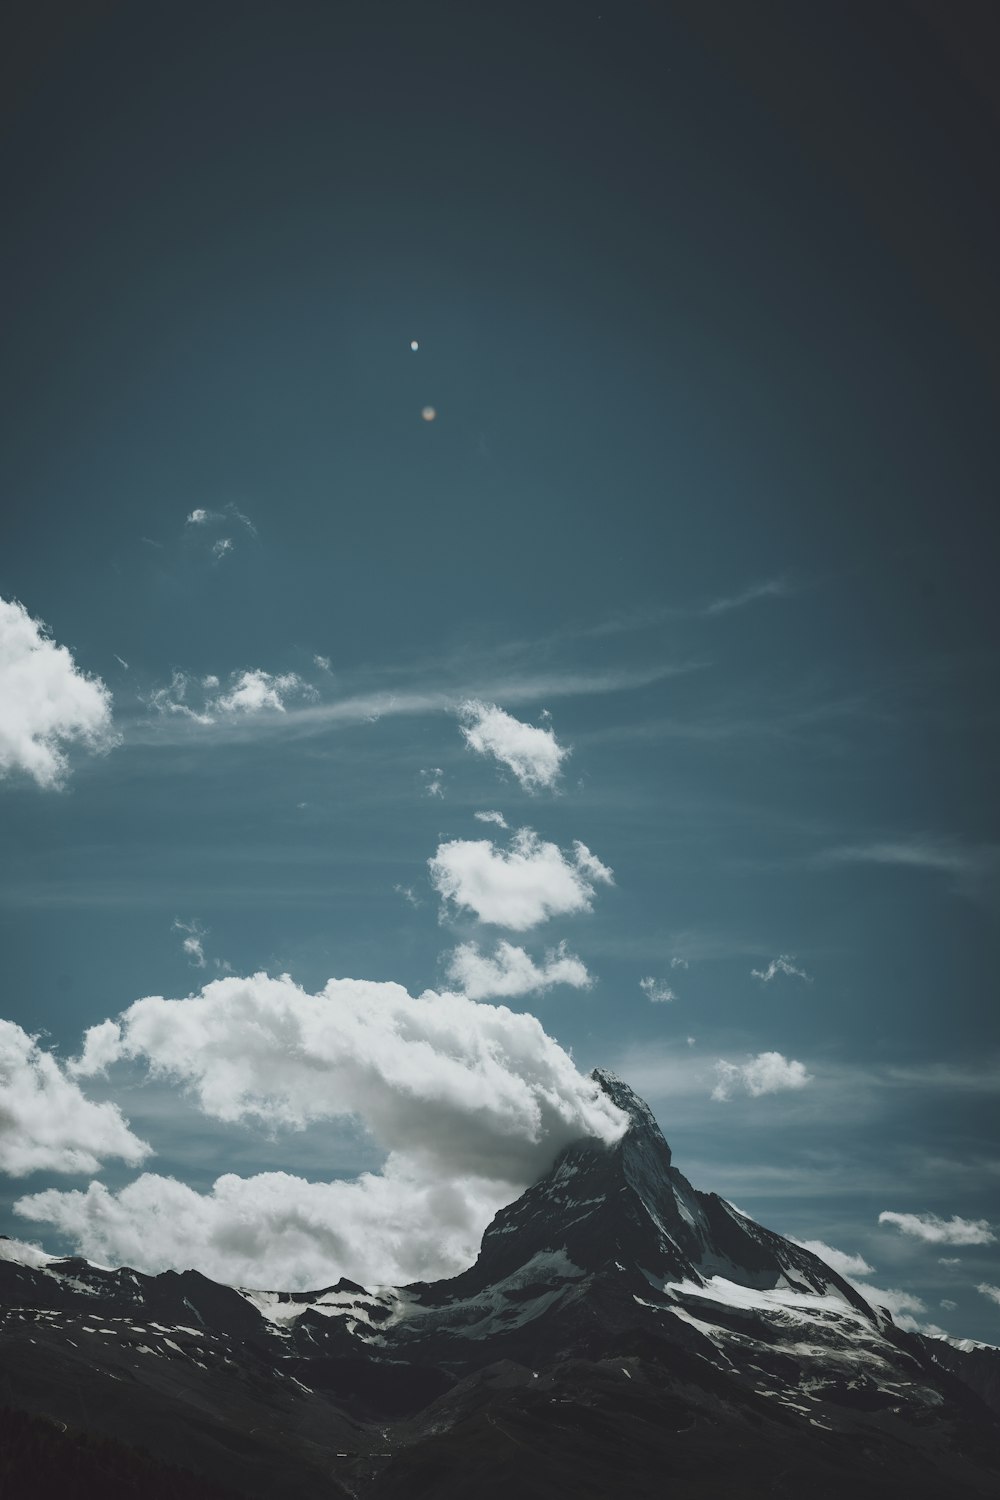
471 1102
46 1123
46 703
518 887
534 755
840 1261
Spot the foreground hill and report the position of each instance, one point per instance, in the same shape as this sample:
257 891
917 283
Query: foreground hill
619 1334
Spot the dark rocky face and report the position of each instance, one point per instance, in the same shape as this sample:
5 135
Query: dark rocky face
618 1329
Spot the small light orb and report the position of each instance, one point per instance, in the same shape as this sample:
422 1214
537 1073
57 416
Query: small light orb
414 345
428 413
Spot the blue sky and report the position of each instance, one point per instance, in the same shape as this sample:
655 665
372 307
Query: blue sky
706 501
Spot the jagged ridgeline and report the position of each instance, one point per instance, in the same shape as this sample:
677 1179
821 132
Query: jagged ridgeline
621 1333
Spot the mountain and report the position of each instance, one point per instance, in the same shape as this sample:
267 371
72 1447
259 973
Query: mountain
620 1333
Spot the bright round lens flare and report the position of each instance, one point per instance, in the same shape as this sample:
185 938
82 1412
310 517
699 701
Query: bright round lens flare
428 413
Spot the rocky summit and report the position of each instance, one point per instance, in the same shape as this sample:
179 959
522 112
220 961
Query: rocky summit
620 1334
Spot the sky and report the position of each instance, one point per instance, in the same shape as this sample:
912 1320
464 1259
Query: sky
499 578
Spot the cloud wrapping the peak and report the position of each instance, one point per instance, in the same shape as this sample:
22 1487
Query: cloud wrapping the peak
470 1088
511 971
46 703
534 755
471 1101
518 887
935 1231
767 1073
46 1122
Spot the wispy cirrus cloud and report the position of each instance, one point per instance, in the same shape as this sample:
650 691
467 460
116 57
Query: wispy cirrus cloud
783 964
768 588
655 990
916 853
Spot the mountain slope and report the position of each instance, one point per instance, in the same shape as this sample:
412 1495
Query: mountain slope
618 1328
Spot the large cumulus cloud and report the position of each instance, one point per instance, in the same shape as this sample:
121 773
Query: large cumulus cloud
45 701
470 1101
46 1122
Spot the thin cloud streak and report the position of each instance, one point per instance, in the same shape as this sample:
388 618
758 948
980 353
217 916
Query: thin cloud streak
370 707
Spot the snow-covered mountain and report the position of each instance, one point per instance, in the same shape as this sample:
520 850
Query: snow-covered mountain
619 1333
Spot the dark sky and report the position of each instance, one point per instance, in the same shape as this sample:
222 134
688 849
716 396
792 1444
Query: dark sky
707 307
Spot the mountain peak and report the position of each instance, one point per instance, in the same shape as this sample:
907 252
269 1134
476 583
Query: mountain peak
642 1122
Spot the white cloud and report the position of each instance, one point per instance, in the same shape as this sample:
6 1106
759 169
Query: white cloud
920 853
46 1123
255 691
472 1102
840 1261
654 990
45 701
433 779
198 517
988 1290
221 547
783 964
511 971
679 963
900 1304
935 1231
323 662
518 887
491 817
408 895
534 755
172 699
948 1305
467 1086
193 940
767 1073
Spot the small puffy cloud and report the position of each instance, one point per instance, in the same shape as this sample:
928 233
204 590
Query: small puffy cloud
783 964
472 1101
221 547
46 703
433 779
407 893
988 1290
840 1261
534 755
949 1260
935 1231
198 517
654 990
767 1073
518 887
511 971
192 941
679 963
948 1305
256 691
46 1122
491 817
323 662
